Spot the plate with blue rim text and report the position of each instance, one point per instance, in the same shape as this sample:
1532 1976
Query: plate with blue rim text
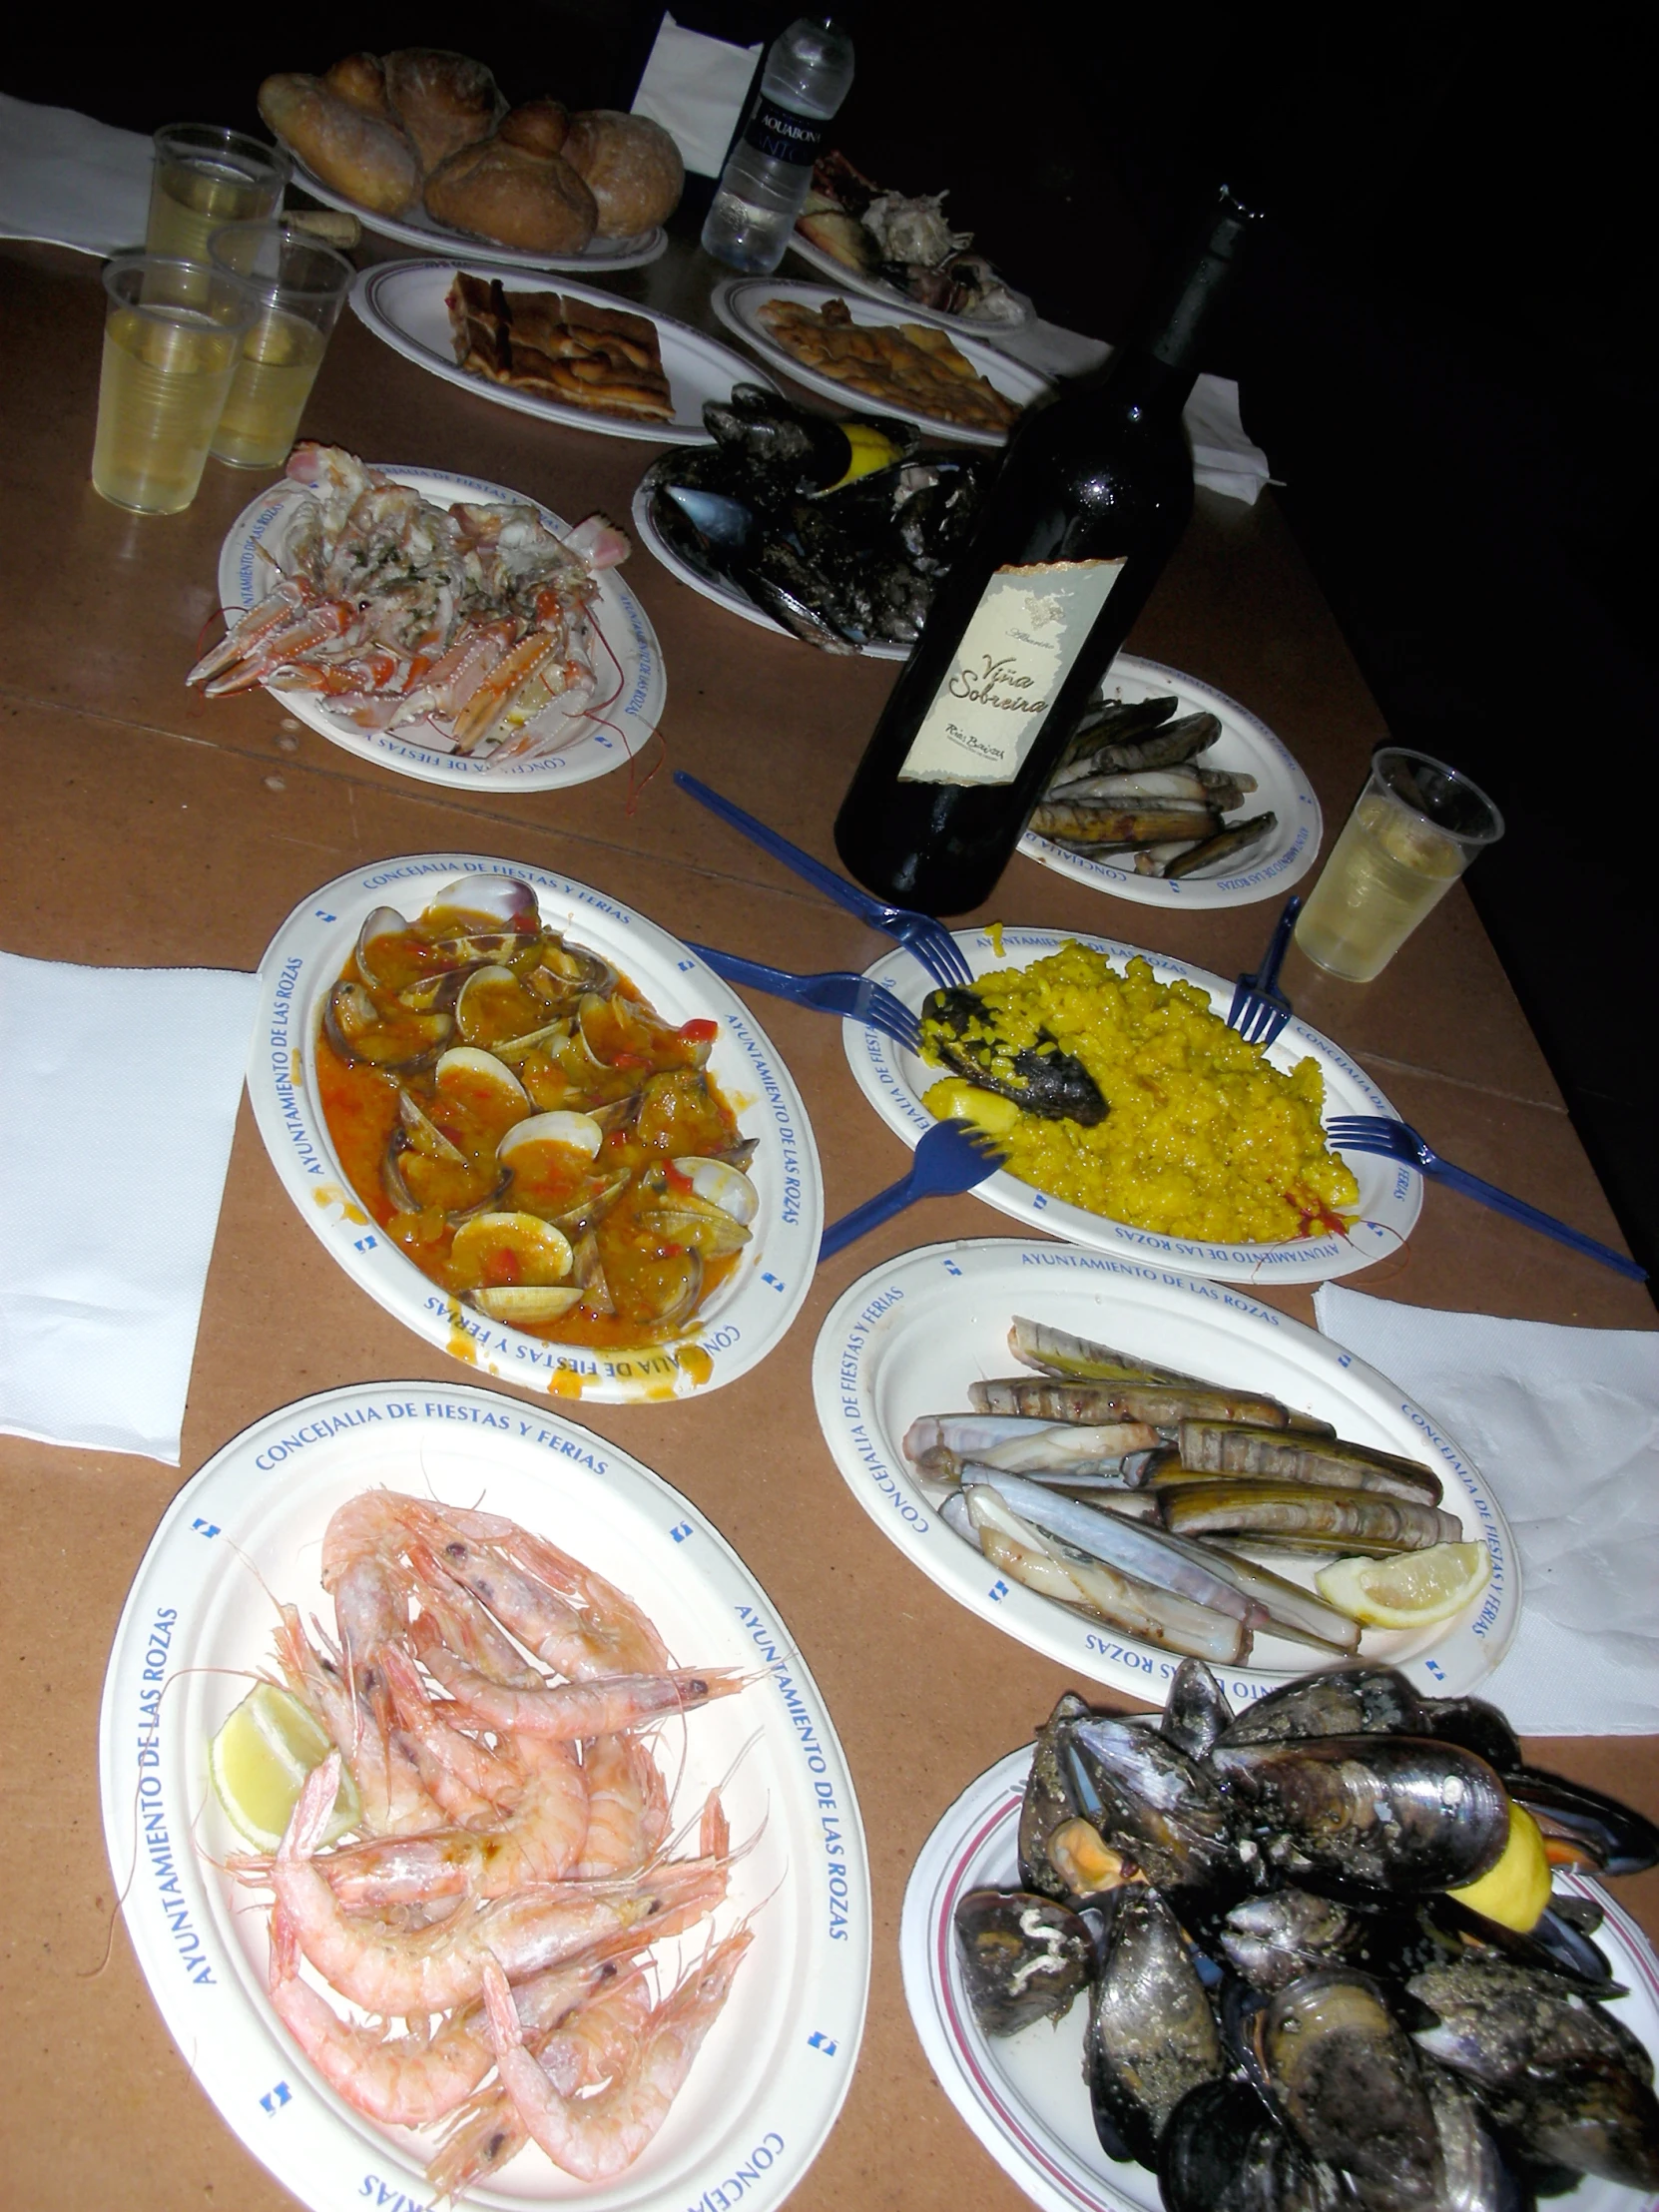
741 1320
1391 1195
587 735
908 1338
1026 2097
1247 746
244 1532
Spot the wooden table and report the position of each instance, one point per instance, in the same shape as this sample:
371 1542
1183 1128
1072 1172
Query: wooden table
144 825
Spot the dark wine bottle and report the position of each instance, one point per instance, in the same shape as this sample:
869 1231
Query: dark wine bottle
1090 502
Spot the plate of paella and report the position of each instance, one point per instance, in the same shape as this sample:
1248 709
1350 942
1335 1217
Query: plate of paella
535 1128
1022 2084
446 628
718 1806
1173 794
1133 1120
1116 1463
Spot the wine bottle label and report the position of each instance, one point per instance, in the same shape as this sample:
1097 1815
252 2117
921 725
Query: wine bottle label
1007 671
782 135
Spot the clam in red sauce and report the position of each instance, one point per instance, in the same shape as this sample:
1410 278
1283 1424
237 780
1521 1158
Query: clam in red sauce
528 1130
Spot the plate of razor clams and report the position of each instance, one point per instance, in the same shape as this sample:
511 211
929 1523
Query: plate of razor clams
1198 1475
1344 1949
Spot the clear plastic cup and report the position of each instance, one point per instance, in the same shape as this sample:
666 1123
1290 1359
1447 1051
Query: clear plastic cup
1415 827
205 175
299 284
172 332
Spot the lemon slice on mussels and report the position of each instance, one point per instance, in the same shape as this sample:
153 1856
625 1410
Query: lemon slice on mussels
1516 1890
258 1762
1413 1589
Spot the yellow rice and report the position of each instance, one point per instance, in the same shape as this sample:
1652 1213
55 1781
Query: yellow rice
1203 1139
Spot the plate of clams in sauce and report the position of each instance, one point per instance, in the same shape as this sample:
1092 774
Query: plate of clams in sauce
535 1128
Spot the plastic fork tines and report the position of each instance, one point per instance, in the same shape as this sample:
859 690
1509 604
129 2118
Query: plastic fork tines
952 1157
1259 1010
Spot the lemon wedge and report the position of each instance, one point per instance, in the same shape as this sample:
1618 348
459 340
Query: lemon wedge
258 1762
1516 1890
1410 1590
955 1099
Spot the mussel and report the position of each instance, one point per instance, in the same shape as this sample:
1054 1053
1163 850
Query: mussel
1050 1797
1151 2036
1153 1804
1043 1079
1349 1701
1024 1958
1196 1713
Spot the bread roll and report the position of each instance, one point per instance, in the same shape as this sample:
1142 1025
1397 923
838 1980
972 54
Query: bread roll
361 81
631 166
539 126
501 192
445 100
371 162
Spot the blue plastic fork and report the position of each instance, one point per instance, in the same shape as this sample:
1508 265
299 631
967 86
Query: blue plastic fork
836 991
952 1157
1260 1011
934 946
1397 1140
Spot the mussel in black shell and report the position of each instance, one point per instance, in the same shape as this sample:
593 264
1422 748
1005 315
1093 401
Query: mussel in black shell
1024 1958
957 1028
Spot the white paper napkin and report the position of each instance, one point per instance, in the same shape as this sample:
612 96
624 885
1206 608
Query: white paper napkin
69 180
695 86
1564 1425
118 1097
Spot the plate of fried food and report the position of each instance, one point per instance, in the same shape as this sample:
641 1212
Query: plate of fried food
1131 1118
536 1874
448 628
951 386
1171 793
576 355
1120 1465
535 1128
1266 2002
423 147
900 249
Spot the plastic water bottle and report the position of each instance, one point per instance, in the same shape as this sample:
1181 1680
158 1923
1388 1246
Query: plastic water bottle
808 72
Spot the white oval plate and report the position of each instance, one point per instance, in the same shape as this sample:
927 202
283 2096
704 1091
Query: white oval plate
402 302
724 593
1271 867
876 287
599 737
1023 2095
909 1338
745 1318
1391 1195
767 2085
738 302
599 256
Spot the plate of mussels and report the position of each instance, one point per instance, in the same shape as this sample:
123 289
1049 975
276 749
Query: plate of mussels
830 529
1173 794
1219 1963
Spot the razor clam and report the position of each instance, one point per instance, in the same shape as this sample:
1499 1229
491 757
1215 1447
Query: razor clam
937 1444
1184 784
1231 1445
1154 860
1157 1404
1106 822
1131 741
1133 1607
1151 2036
1076 1360
1196 1710
1192 1504
1023 1957
1295 1612
1124 723
1397 1813
1051 1083
1231 841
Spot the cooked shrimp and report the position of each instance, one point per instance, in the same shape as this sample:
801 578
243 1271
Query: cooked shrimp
441 1966
627 1808
598 2137
600 2041
572 1643
465 1625
570 1710
404 2080
472 1783
395 1801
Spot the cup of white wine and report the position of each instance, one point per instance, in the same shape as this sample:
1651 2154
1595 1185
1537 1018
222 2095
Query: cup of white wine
1414 829
205 175
172 334
299 285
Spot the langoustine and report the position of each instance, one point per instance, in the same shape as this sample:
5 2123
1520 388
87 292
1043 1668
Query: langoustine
473 618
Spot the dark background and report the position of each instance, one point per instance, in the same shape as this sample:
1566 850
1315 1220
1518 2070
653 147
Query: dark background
1443 348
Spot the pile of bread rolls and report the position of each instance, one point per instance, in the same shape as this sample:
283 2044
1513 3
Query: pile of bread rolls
423 128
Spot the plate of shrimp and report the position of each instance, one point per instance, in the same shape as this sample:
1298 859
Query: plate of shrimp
599 1924
445 626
